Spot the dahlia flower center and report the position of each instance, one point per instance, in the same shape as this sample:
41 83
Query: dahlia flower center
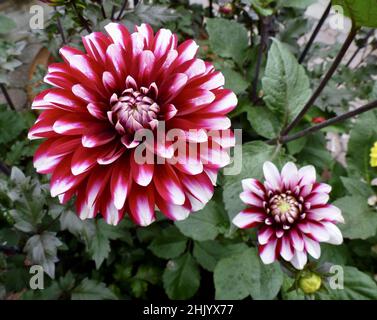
284 208
134 110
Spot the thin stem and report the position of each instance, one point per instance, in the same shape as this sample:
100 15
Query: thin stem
345 116
210 8
4 169
369 34
315 33
262 47
83 21
59 25
124 5
324 81
7 96
112 13
103 10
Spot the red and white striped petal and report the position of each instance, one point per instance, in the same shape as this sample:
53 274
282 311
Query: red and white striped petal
142 174
200 186
255 186
286 248
289 175
248 218
251 199
62 180
312 247
272 176
173 211
121 182
299 259
296 240
306 175
141 204
327 212
315 230
267 252
334 233
168 185
317 199
265 234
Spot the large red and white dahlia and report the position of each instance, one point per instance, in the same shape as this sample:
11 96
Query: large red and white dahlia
103 98
291 213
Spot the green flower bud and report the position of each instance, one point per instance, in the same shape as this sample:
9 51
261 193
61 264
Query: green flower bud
310 282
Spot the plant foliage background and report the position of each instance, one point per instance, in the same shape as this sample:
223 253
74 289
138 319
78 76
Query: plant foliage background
255 44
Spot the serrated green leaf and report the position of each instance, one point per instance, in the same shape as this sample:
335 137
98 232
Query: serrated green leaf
264 122
241 275
357 187
360 219
285 84
6 24
362 12
208 253
228 38
203 225
234 81
362 137
357 286
181 277
41 249
169 244
92 290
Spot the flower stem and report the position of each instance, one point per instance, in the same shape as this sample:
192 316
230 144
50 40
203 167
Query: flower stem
345 116
103 11
83 21
7 96
59 25
263 29
369 34
112 13
210 8
314 34
323 82
124 5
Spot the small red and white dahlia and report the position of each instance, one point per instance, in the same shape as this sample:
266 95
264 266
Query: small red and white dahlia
100 102
291 213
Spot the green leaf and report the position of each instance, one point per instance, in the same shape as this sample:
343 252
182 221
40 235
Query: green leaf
357 187
357 286
300 4
208 253
243 274
254 154
92 290
98 240
264 122
169 244
285 83
181 277
6 24
362 137
41 249
11 125
362 12
228 38
360 219
203 225
260 6
234 81
315 152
